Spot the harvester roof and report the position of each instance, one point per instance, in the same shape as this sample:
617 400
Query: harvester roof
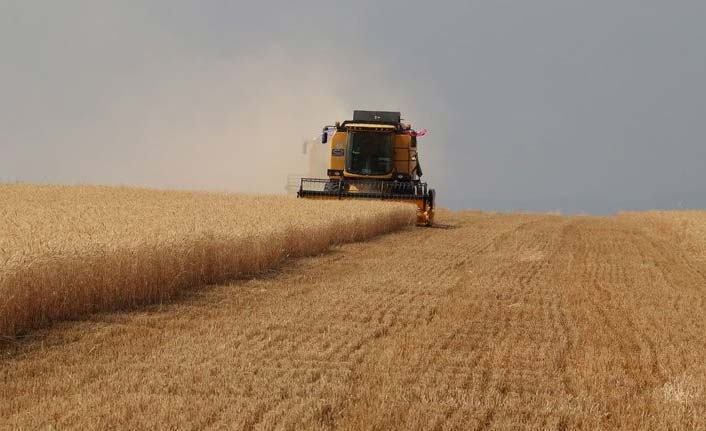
377 117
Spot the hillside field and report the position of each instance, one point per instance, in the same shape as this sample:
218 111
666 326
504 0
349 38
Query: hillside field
489 321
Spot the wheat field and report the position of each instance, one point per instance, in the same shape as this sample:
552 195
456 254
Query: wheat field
68 251
489 322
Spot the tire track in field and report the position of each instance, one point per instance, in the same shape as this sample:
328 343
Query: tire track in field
599 279
441 256
469 353
526 280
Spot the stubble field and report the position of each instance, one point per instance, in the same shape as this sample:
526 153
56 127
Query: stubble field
492 321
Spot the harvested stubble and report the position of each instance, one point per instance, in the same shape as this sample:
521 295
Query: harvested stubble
67 251
687 228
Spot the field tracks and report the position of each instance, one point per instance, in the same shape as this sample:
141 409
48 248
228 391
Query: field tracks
507 321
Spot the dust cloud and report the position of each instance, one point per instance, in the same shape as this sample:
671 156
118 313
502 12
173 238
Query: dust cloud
99 93
243 130
238 127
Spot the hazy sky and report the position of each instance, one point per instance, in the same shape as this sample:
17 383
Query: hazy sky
590 106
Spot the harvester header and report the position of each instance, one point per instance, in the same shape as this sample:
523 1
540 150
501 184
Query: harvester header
373 156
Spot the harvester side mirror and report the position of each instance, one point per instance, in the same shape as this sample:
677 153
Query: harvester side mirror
324 137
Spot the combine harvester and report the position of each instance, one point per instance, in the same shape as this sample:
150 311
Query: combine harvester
374 156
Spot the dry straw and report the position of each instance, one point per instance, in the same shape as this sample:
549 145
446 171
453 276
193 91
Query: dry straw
68 251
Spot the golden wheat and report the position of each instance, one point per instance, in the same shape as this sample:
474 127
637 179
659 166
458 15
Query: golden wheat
66 251
500 322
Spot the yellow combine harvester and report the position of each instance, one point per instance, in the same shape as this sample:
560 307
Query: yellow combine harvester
374 156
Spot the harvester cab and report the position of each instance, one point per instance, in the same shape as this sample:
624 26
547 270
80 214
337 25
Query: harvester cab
373 156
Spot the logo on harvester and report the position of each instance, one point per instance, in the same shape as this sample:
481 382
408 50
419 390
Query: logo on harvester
338 152
377 117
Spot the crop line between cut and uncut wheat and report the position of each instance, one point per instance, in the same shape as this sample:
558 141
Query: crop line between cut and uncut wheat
43 286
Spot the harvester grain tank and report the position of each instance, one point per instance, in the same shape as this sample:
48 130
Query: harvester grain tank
373 156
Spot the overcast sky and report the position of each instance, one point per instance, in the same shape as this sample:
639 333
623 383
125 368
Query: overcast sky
591 106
